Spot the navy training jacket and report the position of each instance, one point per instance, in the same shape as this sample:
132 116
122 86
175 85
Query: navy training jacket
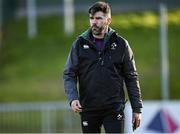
100 74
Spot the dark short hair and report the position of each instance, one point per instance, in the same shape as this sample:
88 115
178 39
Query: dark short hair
100 6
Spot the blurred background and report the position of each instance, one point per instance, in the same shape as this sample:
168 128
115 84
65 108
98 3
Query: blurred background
35 38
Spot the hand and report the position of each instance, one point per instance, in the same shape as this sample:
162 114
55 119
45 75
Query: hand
76 106
136 119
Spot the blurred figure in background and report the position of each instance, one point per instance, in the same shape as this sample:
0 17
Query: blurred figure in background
100 61
8 12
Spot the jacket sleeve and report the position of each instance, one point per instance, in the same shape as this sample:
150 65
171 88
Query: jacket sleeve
70 74
131 79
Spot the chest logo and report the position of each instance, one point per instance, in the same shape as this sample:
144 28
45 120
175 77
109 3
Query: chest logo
85 46
113 46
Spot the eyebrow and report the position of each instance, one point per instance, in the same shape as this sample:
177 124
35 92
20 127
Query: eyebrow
97 17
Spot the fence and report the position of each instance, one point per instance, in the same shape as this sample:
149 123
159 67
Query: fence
53 117
56 117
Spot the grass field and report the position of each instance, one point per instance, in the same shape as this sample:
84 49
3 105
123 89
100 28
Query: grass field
31 70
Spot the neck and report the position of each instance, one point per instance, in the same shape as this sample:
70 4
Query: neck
98 36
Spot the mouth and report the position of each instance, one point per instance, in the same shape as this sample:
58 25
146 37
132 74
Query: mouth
95 28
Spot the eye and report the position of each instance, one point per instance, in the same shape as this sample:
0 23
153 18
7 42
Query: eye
99 18
91 18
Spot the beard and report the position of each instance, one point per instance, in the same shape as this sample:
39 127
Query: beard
97 30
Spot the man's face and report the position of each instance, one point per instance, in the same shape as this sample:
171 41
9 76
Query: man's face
99 22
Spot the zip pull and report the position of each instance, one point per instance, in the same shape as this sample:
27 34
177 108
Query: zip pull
102 63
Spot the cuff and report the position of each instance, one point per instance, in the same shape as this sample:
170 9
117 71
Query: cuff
137 110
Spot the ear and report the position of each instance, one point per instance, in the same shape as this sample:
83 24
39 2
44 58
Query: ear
109 21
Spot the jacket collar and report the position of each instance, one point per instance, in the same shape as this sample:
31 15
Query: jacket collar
87 35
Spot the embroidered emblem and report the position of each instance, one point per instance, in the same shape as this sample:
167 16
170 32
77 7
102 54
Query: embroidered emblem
85 46
113 46
85 123
119 117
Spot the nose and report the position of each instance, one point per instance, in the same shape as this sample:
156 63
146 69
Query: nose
94 23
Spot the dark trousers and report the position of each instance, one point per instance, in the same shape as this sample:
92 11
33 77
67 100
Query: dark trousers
112 120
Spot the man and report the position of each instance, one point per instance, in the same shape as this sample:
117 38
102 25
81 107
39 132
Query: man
100 61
